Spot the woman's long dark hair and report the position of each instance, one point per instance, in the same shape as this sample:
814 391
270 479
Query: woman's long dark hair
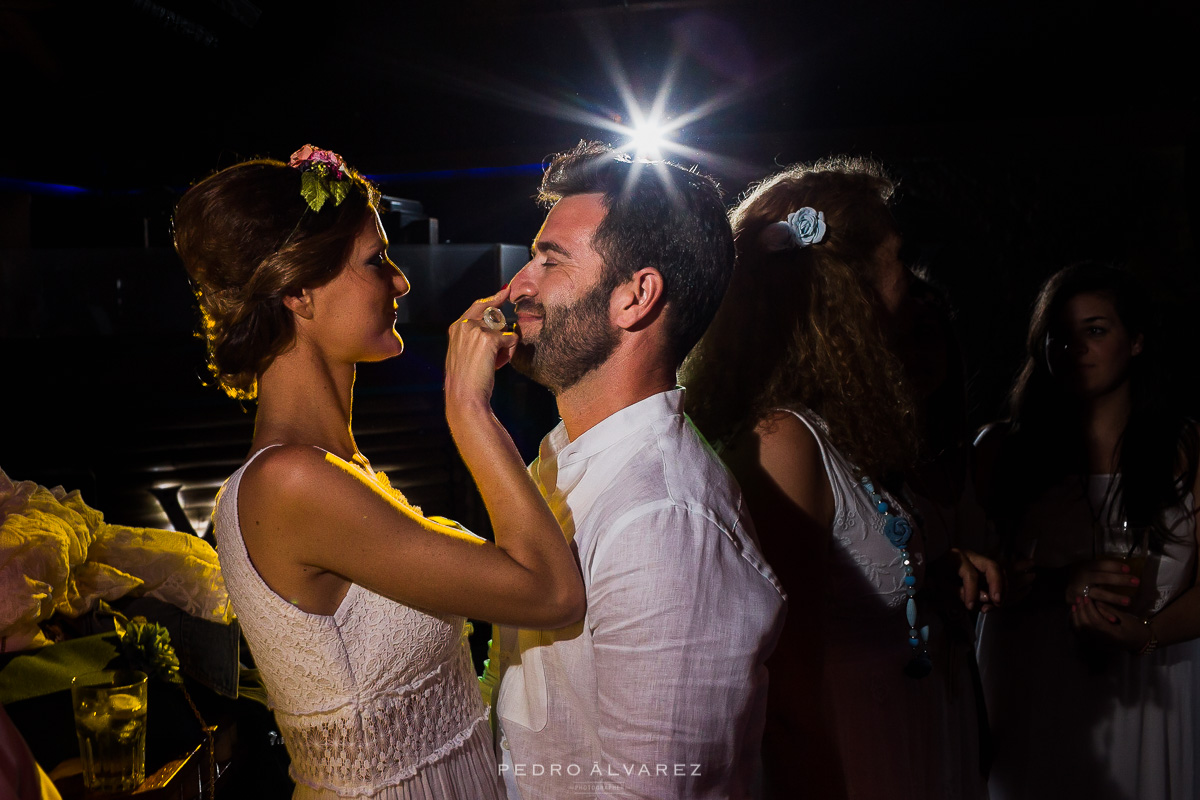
1157 460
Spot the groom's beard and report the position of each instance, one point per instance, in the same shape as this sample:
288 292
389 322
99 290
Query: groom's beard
573 340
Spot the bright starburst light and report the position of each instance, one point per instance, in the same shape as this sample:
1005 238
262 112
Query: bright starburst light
646 133
648 141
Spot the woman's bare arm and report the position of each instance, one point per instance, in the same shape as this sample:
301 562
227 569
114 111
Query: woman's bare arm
319 515
782 476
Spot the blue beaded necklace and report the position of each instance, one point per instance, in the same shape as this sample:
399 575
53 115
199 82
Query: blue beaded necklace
898 531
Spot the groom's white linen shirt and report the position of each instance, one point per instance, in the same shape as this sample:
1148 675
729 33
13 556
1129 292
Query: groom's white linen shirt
661 690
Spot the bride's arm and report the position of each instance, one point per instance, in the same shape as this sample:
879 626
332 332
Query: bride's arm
329 517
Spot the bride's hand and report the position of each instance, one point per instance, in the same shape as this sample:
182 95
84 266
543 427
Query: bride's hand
475 353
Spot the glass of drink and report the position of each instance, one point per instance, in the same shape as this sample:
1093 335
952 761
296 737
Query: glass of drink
1126 543
110 721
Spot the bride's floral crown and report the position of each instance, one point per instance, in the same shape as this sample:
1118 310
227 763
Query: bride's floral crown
323 176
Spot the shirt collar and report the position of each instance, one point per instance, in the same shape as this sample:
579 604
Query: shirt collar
612 429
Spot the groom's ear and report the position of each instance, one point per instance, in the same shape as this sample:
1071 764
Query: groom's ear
637 299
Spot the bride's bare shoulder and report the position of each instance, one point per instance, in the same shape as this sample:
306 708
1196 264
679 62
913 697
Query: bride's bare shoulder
291 479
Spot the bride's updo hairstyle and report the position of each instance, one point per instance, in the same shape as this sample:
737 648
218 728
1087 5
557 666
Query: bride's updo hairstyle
248 238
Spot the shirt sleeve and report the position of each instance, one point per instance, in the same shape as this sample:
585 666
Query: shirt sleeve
681 625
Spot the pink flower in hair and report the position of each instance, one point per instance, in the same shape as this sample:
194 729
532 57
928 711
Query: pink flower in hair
301 155
322 176
309 155
332 159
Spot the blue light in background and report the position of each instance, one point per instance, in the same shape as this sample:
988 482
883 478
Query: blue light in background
37 187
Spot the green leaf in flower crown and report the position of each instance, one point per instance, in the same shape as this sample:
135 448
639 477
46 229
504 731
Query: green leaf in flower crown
311 189
339 190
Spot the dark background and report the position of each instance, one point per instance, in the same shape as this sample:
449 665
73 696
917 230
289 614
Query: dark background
1024 135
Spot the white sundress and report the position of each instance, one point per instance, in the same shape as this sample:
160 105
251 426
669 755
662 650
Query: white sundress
378 700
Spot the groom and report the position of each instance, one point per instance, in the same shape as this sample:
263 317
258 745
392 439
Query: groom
660 691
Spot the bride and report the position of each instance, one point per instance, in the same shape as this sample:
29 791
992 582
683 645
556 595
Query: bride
352 601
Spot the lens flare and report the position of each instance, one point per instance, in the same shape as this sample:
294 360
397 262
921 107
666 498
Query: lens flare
648 141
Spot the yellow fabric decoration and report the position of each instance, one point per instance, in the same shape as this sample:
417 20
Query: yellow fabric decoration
58 555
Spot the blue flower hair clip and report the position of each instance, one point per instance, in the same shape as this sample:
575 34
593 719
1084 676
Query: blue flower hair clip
802 227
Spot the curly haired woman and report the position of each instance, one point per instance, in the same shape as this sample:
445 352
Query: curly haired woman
799 385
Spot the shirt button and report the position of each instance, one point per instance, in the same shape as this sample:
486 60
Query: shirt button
504 742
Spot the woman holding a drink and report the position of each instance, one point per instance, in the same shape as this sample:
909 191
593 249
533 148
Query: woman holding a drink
1090 669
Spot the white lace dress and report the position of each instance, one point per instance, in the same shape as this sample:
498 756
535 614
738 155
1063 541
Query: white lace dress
897 737
377 700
